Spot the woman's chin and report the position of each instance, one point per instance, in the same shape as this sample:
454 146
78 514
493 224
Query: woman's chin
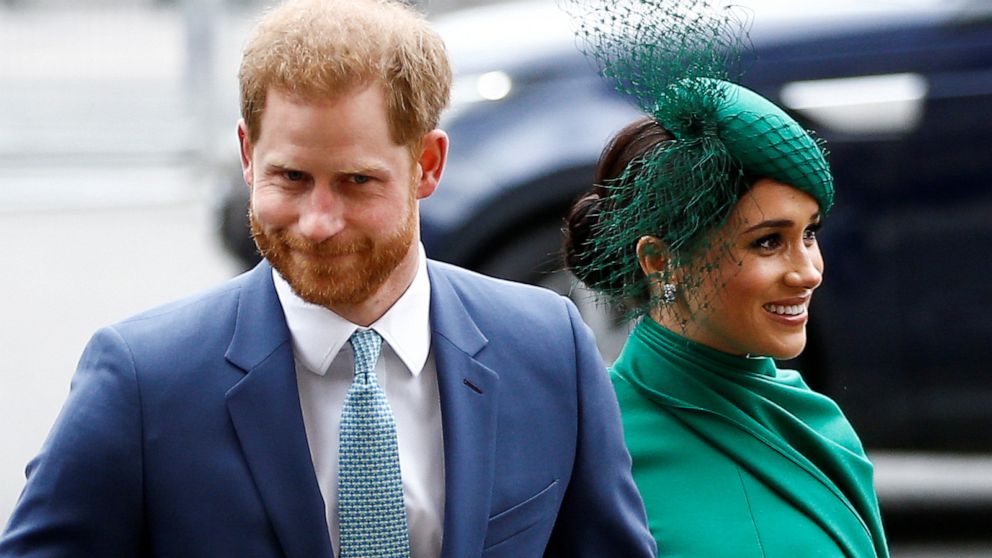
784 349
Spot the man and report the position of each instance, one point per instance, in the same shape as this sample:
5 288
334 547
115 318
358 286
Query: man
347 396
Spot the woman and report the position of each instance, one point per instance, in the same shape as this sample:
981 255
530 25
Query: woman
703 224
708 234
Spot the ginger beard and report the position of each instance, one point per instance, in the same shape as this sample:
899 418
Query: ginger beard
340 281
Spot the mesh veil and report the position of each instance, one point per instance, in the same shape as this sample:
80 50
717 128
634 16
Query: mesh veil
677 60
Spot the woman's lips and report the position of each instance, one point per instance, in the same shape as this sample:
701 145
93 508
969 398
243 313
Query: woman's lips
792 311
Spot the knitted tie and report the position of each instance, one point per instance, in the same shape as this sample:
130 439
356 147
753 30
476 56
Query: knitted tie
370 493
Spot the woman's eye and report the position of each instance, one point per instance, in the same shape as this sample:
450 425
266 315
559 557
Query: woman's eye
809 235
769 242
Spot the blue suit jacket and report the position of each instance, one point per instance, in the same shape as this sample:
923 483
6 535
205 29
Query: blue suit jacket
182 435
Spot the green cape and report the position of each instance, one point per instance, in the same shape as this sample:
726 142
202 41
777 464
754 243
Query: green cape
731 453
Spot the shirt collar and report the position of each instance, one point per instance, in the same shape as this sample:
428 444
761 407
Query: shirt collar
318 333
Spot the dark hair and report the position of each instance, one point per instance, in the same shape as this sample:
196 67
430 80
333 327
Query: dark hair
629 146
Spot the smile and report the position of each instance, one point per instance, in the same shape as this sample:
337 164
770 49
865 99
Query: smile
790 310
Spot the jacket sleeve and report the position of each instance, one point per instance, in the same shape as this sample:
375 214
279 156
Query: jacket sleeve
83 495
602 514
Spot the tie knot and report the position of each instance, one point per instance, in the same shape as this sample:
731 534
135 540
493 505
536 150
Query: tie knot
366 344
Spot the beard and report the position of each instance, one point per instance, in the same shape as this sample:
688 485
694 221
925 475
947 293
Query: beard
348 280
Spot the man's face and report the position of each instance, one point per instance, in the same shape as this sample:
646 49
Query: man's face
333 198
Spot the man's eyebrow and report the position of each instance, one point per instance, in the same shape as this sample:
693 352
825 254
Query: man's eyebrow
364 168
360 168
278 165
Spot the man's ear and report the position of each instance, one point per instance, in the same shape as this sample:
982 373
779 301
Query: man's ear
244 143
433 156
652 255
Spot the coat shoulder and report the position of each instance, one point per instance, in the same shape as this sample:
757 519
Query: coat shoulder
507 313
475 288
196 329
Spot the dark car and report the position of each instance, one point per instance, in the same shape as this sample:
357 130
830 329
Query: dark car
901 91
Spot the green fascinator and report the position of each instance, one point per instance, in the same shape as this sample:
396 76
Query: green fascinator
767 142
677 59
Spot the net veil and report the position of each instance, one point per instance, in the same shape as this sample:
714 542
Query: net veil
678 60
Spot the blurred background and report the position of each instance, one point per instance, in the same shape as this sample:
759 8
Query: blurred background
120 189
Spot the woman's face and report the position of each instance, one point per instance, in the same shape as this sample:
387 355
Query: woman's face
767 264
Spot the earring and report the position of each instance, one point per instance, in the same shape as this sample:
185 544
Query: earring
668 291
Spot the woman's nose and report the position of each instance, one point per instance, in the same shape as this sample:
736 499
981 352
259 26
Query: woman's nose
808 270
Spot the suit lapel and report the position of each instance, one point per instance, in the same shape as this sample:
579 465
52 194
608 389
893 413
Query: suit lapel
265 409
468 391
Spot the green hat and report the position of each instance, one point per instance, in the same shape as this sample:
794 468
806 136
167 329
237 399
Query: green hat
769 143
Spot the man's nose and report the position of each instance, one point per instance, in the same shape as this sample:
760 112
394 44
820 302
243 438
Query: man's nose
322 215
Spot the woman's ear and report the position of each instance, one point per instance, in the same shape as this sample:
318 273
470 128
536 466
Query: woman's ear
652 255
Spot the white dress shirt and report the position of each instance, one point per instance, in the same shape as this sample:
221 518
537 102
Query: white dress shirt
407 373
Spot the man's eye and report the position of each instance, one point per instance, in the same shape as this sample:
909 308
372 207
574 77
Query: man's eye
360 178
294 176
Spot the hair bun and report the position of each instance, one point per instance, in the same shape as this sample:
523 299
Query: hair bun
580 225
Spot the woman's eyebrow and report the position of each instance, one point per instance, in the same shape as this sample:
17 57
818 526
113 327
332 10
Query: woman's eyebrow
781 223
771 224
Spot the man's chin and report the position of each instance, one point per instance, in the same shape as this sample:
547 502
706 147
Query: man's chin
342 263
332 289
350 274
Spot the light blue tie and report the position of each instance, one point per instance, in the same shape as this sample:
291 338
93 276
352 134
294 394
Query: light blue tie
370 492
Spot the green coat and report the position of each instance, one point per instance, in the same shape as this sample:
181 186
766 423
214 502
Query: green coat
736 458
